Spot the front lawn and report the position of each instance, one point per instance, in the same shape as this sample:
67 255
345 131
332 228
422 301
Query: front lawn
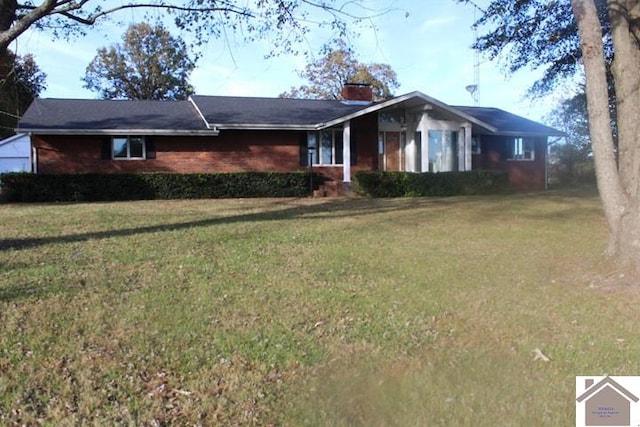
309 311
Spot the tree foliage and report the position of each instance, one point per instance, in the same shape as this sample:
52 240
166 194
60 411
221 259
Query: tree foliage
537 34
149 64
23 82
571 159
338 65
284 22
600 37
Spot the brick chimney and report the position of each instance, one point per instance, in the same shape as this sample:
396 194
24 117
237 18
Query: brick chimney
361 92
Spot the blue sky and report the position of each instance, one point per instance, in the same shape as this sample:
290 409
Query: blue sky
429 49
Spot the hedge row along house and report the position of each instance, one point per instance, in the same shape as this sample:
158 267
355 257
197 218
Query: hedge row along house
412 132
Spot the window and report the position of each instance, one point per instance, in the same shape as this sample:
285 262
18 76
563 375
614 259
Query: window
325 147
128 147
389 117
443 150
521 149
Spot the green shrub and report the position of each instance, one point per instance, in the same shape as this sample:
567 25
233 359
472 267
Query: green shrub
407 184
25 187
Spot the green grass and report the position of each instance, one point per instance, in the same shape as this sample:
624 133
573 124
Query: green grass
356 312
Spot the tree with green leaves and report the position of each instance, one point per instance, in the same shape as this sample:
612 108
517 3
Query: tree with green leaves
600 39
149 64
536 34
571 158
327 75
22 83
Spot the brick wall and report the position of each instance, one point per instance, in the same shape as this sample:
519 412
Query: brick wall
523 175
357 92
272 151
231 151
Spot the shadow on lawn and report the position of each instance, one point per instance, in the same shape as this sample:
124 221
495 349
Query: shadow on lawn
331 208
302 208
478 207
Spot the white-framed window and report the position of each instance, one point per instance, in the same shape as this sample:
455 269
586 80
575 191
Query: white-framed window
325 147
443 150
127 147
521 149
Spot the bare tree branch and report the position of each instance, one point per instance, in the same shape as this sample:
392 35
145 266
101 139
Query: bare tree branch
90 20
21 25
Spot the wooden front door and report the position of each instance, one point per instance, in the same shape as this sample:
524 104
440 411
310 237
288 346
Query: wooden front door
392 151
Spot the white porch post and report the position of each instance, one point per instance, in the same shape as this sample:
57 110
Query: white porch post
410 151
424 128
467 147
346 151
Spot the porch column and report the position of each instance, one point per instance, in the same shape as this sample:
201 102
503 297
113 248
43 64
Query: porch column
467 147
346 151
410 150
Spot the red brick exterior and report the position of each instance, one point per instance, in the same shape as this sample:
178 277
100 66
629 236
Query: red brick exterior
231 151
269 151
528 175
357 92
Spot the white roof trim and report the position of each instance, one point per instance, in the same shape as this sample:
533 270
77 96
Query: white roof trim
204 120
402 98
164 132
514 133
12 138
264 126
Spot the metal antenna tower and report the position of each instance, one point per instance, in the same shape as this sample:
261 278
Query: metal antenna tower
474 88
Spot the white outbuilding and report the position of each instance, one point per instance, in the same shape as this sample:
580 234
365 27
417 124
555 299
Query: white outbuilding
15 154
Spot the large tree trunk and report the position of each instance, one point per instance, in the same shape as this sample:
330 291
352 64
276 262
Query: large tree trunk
624 16
7 16
625 66
618 185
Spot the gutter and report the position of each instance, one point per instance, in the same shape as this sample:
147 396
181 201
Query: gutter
266 126
164 132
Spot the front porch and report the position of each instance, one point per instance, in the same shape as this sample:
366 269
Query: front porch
409 136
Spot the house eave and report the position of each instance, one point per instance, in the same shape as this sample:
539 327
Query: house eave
524 134
159 132
265 126
403 98
13 138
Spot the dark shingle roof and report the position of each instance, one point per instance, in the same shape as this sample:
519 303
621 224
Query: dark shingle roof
507 123
86 114
83 115
234 110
